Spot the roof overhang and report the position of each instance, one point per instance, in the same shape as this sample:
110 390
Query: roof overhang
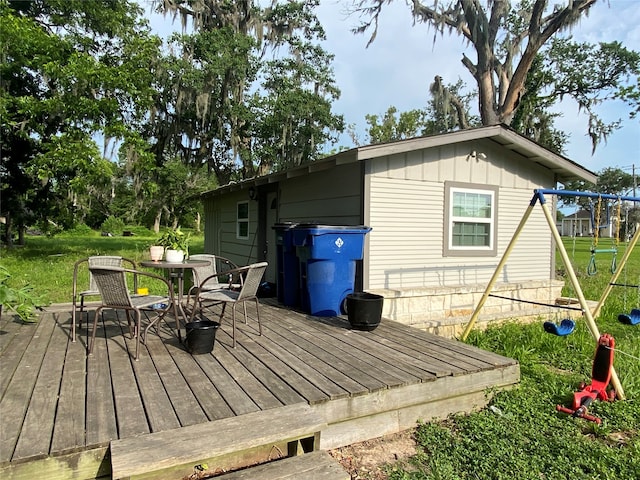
563 168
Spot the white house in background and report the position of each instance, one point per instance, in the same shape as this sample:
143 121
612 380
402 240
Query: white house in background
581 224
578 224
442 210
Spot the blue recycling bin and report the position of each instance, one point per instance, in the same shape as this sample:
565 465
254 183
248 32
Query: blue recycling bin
288 286
327 255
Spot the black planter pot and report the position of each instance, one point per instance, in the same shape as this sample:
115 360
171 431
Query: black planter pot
201 337
364 310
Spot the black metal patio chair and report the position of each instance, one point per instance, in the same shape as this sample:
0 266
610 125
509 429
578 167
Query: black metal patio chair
92 288
252 277
114 293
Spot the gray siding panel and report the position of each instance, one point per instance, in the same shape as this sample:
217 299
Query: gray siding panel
406 244
221 239
331 197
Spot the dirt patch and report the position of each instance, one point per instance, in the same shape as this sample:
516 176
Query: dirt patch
367 460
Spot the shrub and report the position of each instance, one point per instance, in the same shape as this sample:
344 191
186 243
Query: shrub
21 300
113 225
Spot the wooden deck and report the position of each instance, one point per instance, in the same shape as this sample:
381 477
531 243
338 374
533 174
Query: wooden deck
61 409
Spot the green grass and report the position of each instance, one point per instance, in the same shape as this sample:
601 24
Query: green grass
47 263
520 435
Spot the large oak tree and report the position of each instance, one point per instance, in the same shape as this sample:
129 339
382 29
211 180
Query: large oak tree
70 72
509 38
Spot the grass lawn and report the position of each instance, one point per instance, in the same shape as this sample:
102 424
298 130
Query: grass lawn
47 263
520 435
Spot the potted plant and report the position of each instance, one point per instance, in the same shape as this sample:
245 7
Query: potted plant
22 301
176 244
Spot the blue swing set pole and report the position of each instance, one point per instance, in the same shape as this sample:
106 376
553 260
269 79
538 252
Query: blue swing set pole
586 311
571 193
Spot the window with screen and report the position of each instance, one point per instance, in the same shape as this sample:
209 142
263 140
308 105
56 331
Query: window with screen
470 219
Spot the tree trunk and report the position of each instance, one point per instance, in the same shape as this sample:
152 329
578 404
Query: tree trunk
8 231
156 221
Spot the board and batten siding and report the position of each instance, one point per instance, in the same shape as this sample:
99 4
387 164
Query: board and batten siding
406 210
329 197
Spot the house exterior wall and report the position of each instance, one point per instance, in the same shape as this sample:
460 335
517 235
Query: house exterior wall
330 197
406 211
220 228
406 260
400 193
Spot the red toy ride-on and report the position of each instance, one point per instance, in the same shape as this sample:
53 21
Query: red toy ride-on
600 377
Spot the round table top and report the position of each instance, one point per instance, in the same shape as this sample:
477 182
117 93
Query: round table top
184 264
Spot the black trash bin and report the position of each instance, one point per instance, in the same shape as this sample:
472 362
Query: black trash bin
364 310
287 286
201 336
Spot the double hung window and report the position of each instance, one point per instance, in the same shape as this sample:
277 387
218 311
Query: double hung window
470 219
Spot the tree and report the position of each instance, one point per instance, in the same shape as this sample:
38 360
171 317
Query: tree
293 118
509 39
439 116
221 118
390 127
70 72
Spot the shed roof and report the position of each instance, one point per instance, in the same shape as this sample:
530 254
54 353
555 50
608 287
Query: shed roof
564 168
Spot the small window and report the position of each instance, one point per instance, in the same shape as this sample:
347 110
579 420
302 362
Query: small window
470 220
242 220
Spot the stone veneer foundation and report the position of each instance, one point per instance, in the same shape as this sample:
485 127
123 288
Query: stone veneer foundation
446 311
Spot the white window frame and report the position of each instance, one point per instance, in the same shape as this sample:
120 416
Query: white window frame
451 188
242 221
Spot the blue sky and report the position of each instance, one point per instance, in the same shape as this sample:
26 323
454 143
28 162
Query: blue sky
403 60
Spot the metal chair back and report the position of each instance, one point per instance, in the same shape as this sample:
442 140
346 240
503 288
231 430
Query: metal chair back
204 273
252 277
115 294
252 281
92 289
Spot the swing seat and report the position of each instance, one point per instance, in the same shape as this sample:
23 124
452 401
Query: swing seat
565 328
632 319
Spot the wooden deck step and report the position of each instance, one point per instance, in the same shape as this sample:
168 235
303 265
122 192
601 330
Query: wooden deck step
318 465
218 446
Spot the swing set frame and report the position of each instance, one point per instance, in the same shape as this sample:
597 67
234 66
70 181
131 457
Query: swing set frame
539 198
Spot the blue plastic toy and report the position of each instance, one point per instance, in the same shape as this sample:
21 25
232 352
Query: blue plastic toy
632 319
565 328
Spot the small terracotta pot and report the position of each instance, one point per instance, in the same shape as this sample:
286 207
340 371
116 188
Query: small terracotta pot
156 252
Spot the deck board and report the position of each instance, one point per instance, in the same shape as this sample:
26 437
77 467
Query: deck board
17 397
362 358
64 407
131 420
36 434
352 366
306 352
101 417
69 428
